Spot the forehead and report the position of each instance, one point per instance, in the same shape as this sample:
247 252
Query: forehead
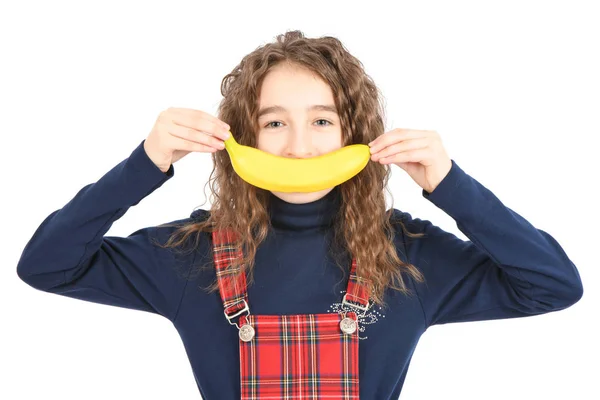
293 87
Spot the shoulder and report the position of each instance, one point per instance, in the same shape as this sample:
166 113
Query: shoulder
199 215
196 216
410 233
166 230
396 216
401 219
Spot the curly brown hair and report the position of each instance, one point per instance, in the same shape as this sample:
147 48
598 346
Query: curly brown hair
362 226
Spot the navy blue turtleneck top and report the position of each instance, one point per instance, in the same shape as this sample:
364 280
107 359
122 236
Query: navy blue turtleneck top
507 269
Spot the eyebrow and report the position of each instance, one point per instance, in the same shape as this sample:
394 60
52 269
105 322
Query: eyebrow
275 109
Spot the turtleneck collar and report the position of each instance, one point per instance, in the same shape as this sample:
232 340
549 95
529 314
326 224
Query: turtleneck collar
296 217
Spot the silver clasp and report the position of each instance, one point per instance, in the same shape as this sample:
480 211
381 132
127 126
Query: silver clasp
360 307
239 312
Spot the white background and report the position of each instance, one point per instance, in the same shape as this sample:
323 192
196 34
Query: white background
512 87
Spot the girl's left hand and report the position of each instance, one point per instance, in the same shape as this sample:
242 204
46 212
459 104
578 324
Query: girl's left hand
420 153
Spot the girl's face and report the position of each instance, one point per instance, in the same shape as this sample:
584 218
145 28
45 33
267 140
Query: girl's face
297 118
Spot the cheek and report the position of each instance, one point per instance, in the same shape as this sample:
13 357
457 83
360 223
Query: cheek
261 140
330 145
336 140
268 143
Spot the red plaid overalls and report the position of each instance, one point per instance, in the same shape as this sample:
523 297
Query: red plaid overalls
301 356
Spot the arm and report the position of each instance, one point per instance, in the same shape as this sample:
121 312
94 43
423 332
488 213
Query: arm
69 254
507 269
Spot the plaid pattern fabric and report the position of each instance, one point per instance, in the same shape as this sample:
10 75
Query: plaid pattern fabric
298 356
232 283
357 291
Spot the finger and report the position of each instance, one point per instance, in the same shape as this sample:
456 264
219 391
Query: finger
404 145
199 114
183 144
417 155
393 136
201 121
193 135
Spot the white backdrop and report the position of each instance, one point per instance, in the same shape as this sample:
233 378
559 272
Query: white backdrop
511 86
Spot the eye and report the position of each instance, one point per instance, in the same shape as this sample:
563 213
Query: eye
325 121
272 122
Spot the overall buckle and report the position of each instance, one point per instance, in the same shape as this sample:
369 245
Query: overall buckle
239 312
346 302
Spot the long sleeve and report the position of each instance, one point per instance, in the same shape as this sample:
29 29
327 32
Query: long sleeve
506 269
69 254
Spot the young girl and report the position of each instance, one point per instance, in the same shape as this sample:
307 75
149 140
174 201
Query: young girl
300 295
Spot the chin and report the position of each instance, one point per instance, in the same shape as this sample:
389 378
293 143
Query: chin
302 197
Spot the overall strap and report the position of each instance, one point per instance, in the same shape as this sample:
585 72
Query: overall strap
232 283
357 290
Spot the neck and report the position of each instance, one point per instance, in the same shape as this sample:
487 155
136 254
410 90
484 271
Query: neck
318 214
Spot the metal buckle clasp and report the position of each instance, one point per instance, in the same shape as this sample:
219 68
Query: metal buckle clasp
360 307
239 312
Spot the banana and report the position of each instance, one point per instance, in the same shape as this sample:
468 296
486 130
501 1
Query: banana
270 172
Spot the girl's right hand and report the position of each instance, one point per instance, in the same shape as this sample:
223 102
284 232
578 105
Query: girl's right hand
180 131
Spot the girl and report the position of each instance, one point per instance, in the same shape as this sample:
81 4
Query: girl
300 295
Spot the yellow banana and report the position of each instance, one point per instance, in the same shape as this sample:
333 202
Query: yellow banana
282 174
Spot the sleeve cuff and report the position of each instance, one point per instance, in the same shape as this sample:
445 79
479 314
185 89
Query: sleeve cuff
442 194
140 161
141 176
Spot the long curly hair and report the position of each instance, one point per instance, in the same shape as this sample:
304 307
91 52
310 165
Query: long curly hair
362 226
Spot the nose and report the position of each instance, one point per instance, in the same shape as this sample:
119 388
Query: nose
299 144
